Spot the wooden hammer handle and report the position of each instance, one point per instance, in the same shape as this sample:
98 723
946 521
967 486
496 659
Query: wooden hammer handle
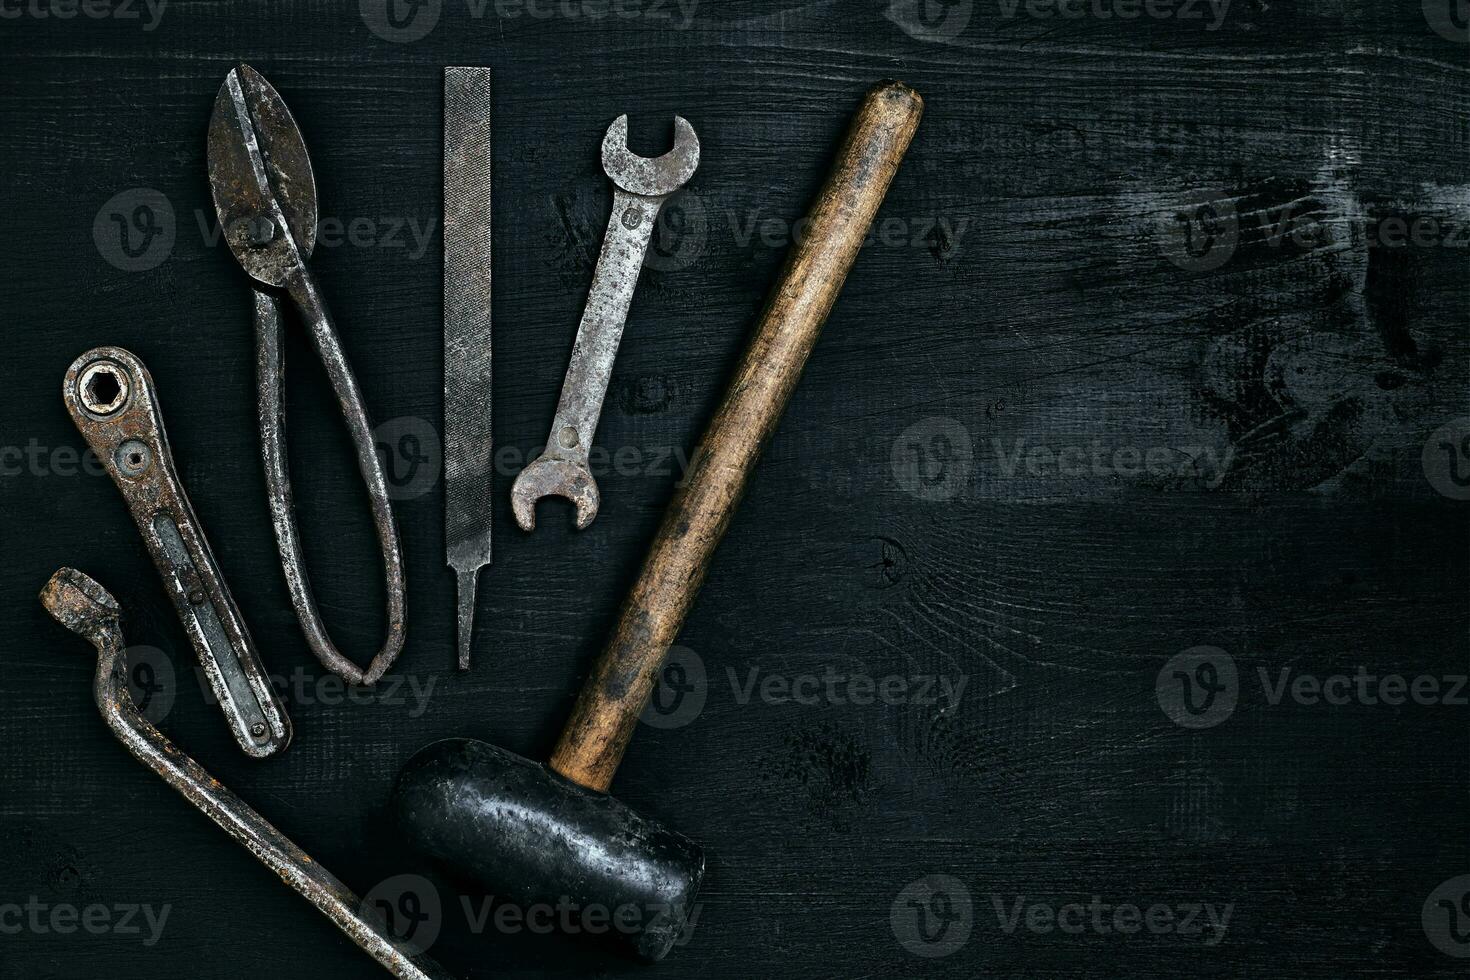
607 709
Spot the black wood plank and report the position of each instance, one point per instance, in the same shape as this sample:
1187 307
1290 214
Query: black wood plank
1156 332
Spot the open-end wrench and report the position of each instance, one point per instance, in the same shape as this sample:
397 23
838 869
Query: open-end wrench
640 188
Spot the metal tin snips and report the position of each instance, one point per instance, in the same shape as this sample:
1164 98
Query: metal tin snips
265 195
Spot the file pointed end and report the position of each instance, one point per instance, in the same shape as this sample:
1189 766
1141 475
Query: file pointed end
466 615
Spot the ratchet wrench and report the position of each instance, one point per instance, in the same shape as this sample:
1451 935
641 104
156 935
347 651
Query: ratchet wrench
110 396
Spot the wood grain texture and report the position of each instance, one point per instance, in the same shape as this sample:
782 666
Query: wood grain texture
1018 292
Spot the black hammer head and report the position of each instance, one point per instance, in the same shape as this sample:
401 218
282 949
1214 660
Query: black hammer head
526 833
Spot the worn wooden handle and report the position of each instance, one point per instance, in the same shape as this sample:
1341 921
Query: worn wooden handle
607 709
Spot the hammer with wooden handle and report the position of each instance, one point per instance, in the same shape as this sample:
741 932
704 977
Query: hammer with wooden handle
550 834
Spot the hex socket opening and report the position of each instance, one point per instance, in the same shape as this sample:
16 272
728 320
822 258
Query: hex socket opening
103 388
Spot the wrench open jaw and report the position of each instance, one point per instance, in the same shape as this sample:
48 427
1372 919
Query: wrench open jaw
640 187
555 476
650 177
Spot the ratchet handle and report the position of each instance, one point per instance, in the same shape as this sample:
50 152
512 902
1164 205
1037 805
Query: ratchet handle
111 398
607 709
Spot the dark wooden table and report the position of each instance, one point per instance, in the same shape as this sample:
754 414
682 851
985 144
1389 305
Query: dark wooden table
1152 350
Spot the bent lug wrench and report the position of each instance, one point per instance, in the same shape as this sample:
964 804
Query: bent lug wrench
640 188
81 605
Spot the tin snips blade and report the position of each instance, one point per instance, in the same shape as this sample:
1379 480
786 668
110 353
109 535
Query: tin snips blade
468 469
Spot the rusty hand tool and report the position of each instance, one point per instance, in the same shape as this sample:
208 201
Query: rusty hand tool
81 605
265 195
111 398
549 833
468 464
640 188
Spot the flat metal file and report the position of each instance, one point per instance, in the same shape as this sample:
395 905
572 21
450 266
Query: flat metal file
468 470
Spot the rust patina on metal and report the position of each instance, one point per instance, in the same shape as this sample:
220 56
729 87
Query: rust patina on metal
265 195
81 605
641 186
111 398
468 466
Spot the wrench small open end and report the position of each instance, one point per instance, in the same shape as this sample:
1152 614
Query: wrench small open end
554 476
656 176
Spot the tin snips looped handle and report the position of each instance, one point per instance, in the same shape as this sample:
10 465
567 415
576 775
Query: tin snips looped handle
265 195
